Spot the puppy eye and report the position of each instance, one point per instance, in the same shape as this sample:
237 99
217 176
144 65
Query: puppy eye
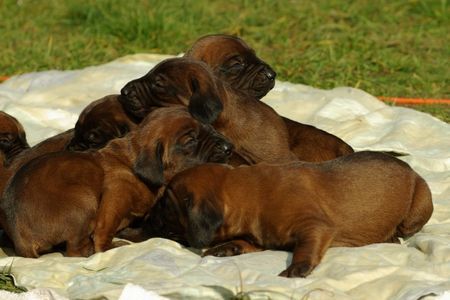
6 139
190 141
235 67
158 83
188 201
94 137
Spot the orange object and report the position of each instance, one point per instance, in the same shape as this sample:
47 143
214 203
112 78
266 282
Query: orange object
3 78
398 100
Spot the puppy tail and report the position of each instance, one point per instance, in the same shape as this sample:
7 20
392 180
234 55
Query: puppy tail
420 210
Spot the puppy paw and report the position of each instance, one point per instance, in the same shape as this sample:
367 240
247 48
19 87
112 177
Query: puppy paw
297 270
228 249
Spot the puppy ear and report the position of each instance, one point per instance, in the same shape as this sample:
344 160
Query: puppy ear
203 221
149 168
205 106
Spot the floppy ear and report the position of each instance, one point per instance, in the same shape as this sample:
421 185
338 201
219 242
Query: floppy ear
205 106
203 221
149 168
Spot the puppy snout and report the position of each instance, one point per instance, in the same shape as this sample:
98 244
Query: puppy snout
127 89
226 148
270 74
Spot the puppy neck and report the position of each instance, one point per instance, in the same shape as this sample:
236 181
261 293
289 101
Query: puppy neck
121 150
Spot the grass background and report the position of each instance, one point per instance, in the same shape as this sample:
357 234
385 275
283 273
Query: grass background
387 47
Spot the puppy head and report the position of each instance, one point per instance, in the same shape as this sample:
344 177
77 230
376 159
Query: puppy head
169 140
233 61
100 122
175 81
189 210
12 137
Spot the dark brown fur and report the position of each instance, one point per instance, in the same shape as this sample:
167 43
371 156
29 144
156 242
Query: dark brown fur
84 198
256 130
355 200
101 121
12 139
233 61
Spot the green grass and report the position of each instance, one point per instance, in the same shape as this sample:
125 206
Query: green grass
387 48
8 282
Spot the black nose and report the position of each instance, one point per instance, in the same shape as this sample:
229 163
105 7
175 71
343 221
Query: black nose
227 148
270 74
126 90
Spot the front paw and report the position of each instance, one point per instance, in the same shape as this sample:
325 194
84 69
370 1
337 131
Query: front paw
297 270
228 249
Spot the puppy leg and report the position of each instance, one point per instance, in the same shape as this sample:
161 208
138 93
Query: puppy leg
122 202
80 247
113 211
232 248
312 242
419 212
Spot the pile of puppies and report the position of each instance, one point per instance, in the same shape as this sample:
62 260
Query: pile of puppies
188 152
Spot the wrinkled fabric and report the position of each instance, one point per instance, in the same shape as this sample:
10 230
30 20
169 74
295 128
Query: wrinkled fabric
49 102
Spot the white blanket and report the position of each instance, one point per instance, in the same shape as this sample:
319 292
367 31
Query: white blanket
49 102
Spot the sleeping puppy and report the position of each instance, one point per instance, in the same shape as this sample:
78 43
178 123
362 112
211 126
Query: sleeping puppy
233 61
99 122
12 138
256 130
83 198
355 200
12 142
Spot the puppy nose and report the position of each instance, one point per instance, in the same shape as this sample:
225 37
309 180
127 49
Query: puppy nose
270 74
126 90
227 148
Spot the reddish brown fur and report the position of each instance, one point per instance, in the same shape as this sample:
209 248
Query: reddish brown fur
102 120
256 130
104 117
71 196
12 139
13 142
355 200
255 78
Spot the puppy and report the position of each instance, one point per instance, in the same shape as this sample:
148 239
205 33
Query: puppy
233 61
12 142
101 121
12 138
73 196
256 130
355 200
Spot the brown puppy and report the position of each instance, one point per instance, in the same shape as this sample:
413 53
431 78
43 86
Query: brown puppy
256 130
355 200
233 61
73 196
101 121
12 142
12 138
